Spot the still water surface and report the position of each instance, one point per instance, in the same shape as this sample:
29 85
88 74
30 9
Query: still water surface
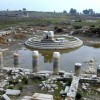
67 60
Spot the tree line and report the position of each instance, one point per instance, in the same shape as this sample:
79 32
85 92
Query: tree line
85 12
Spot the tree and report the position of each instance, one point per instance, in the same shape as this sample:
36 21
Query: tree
91 11
64 11
73 11
24 9
86 11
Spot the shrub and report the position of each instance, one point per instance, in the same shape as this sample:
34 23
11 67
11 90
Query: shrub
78 96
10 81
92 25
9 72
77 26
25 80
58 29
78 20
69 82
20 87
10 87
14 82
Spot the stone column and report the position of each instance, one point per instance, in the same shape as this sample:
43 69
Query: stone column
77 69
35 61
56 63
98 71
16 59
1 59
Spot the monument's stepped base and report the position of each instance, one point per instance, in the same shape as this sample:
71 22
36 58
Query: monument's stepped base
51 43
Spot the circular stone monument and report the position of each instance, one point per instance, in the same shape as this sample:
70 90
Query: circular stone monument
51 41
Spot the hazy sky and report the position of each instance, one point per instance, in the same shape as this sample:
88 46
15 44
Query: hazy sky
50 5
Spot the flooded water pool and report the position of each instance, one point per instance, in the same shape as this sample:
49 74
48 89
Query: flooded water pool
67 60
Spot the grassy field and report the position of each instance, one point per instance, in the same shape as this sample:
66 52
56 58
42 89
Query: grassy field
48 18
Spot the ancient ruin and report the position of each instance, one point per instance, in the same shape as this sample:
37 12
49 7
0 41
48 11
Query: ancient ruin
51 41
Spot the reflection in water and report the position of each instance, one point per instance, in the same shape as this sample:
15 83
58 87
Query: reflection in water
48 54
67 60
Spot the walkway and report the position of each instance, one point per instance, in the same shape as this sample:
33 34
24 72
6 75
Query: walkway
73 89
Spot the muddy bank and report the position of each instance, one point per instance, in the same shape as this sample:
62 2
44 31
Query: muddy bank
89 41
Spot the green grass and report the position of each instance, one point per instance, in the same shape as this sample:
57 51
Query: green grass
37 18
48 18
22 22
85 23
56 94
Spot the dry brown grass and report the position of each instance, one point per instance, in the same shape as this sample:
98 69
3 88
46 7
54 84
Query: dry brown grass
2 40
20 36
